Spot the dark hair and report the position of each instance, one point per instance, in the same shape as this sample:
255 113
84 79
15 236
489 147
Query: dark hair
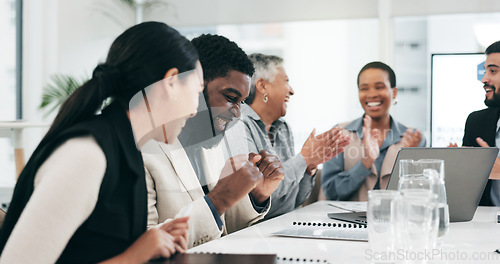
381 66
139 57
218 56
493 48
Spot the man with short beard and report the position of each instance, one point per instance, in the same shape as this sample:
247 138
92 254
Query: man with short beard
225 196
482 128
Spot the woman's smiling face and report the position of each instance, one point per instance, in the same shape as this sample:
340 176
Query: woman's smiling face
375 92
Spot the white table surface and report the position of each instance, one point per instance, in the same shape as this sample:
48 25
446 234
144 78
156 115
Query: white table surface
22 124
14 129
466 242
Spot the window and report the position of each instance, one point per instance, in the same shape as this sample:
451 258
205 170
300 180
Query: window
8 46
10 105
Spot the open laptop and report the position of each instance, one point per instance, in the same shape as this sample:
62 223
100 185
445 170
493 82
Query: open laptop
466 174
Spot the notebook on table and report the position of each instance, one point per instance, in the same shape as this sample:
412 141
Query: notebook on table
325 230
466 173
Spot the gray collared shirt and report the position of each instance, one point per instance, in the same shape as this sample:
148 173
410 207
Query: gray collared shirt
339 184
250 135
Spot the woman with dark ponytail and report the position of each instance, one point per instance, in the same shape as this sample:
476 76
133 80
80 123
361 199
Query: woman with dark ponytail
82 196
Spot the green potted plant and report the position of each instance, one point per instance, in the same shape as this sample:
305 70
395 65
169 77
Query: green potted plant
57 90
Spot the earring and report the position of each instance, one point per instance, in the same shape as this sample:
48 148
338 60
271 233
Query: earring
265 99
395 101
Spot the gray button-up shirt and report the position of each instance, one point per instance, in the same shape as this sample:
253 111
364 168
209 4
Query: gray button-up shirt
250 135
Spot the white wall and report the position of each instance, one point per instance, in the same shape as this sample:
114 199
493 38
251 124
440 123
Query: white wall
198 13
60 36
323 60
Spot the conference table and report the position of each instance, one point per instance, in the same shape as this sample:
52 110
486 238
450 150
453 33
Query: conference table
466 242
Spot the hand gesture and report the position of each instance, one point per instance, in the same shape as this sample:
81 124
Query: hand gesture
371 148
334 142
156 243
178 229
239 176
411 139
452 145
273 173
495 171
321 148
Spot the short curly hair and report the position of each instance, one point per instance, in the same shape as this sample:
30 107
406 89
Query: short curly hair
218 56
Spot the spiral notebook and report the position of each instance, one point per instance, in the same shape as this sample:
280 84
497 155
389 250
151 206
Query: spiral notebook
325 230
289 260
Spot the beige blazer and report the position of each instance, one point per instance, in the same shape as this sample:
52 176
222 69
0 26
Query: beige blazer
172 185
353 153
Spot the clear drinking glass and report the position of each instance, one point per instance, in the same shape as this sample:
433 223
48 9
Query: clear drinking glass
417 220
381 225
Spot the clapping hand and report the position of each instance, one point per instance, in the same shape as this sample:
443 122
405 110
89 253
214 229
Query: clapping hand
371 148
411 138
321 148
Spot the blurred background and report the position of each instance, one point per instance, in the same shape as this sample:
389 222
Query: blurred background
324 43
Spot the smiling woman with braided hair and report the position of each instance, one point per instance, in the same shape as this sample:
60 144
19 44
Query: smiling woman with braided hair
82 196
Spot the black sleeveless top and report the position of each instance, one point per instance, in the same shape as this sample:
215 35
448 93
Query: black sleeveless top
120 215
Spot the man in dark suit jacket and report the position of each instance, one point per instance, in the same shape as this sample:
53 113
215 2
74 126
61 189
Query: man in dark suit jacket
482 127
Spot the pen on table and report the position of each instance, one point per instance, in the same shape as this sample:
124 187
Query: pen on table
342 208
